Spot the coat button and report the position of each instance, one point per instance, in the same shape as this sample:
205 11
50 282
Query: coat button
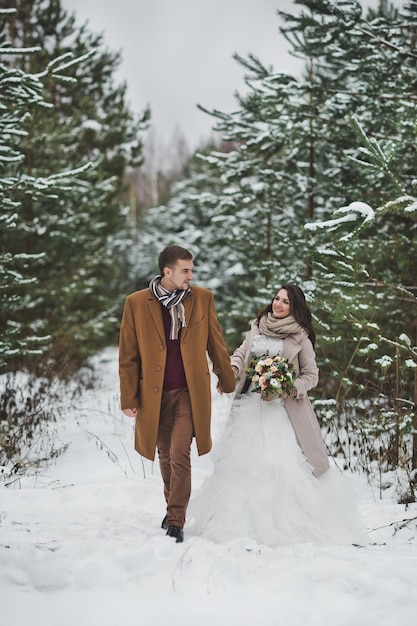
161 347
158 368
156 389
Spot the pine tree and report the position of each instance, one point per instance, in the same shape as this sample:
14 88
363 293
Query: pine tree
184 220
379 385
78 234
20 95
371 274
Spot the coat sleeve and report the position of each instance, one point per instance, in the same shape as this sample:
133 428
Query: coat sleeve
240 360
308 376
129 360
217 351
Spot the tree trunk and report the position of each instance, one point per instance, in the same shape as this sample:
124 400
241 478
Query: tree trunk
414 460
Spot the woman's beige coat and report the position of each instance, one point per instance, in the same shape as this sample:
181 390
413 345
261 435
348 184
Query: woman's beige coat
298 350
142 356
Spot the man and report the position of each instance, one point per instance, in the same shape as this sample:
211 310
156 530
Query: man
165 335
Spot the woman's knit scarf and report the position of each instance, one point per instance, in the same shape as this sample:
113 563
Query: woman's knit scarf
172 300
271 326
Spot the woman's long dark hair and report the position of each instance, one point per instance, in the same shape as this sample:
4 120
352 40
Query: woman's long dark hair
298 308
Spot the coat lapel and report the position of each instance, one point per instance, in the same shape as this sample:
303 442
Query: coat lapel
290 350
188 306
156 315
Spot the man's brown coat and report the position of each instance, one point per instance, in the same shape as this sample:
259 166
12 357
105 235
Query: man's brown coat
142 356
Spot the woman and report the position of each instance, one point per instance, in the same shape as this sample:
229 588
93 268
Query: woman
271 480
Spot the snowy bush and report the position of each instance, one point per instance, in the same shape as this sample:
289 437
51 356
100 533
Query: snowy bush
28 412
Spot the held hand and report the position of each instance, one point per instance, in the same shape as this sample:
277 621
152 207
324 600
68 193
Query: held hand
130 412
236 374
267 397
293 394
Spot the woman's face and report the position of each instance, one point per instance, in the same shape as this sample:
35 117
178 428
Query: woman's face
281 305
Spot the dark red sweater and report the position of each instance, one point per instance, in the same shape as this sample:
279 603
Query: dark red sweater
174 368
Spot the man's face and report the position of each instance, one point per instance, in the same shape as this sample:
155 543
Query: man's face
179 276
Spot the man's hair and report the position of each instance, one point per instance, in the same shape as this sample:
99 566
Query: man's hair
170 255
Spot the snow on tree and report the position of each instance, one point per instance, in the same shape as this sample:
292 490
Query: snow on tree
377 390
76 234
20 95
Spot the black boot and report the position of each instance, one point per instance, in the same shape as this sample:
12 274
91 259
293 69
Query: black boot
164 522
176 532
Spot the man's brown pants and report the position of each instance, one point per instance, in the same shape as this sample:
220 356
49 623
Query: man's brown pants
175 435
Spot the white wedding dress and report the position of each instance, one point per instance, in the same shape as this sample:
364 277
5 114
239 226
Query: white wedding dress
262 488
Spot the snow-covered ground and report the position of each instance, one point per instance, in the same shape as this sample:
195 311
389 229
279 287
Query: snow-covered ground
81 544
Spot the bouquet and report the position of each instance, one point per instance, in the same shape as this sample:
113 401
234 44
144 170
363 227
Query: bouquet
272 376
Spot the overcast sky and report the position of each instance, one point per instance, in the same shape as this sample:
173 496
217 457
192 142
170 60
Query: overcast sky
178 53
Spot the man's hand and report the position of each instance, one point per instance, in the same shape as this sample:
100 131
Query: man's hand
130 412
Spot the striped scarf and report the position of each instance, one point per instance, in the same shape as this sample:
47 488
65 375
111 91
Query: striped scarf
173 302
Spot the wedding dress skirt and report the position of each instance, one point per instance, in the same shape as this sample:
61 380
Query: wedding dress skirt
262 487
